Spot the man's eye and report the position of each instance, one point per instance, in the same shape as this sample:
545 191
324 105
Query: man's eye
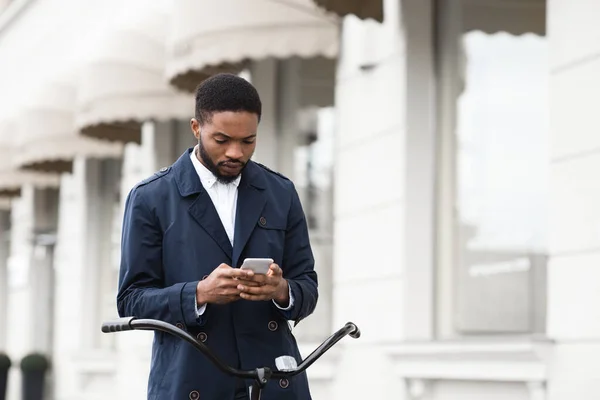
220 141
249 141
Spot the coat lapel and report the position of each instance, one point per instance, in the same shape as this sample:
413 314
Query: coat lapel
250 204
205 213
201 209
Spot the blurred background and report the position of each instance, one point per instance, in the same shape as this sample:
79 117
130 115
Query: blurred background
453 217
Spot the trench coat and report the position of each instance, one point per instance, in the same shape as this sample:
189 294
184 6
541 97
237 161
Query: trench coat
172 237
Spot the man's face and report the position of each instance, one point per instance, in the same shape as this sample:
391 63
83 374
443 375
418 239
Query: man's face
226 142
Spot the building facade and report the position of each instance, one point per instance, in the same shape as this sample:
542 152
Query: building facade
443 149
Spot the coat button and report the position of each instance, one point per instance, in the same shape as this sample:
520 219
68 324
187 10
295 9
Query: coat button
194 395
202 337
284 383
262 221
163 169
179 325
273 326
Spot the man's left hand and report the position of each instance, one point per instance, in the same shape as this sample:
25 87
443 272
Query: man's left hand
271 286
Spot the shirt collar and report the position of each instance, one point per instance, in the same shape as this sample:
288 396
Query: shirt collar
207 178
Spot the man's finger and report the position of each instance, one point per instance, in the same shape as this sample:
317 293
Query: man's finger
250 282
238 273
246 282
226 282
274 270
253 297
258 278
234 291
256 290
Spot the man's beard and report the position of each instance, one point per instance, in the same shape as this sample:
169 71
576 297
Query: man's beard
212 167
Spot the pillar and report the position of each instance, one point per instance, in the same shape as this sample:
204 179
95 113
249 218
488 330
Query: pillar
84 275
42 268
288 108
4 253
70 329
30 277
263 75
573 273
369 200
384 193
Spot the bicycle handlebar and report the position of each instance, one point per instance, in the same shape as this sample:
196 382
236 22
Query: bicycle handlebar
132 323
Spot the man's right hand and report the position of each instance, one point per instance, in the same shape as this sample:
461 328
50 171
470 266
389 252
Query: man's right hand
220 287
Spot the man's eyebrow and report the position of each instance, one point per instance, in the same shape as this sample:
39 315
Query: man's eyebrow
229 137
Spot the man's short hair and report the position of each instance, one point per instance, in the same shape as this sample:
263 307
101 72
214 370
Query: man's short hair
226 92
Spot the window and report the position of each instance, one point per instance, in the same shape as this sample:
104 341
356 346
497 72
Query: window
493 122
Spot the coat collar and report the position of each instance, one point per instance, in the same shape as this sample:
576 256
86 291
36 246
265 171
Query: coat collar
250 205
189 183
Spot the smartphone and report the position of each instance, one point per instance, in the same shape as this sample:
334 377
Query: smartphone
258 265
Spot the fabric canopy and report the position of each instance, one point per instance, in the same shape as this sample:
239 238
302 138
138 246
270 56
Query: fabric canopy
122 84
492 16
46 136
234 32
11 179
361 8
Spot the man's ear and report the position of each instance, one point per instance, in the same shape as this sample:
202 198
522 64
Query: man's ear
195 125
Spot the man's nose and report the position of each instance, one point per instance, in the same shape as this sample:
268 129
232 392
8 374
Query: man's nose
234 151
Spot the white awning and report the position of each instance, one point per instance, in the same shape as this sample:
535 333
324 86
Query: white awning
123 84
46 137
11 179
233 32
361 8
515 17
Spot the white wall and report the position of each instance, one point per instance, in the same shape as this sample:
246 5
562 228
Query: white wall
574 275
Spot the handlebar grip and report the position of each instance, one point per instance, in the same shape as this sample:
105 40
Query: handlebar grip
355 332
118 325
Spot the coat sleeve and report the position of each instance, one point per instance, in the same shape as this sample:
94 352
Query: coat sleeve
142 292
298 264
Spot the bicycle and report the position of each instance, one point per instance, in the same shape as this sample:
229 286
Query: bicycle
260 376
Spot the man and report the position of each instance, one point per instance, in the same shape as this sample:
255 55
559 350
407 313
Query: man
186 232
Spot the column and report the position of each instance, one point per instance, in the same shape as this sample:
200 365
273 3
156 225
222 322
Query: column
4 254
102 178
264 77
384 193
369 195
573 272
420 172
85 277
288 107
42 268
30 277
20 289
70 329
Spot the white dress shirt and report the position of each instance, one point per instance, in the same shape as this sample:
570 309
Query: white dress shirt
224 197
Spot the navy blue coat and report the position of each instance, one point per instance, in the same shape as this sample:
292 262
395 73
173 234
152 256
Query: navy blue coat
173 237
